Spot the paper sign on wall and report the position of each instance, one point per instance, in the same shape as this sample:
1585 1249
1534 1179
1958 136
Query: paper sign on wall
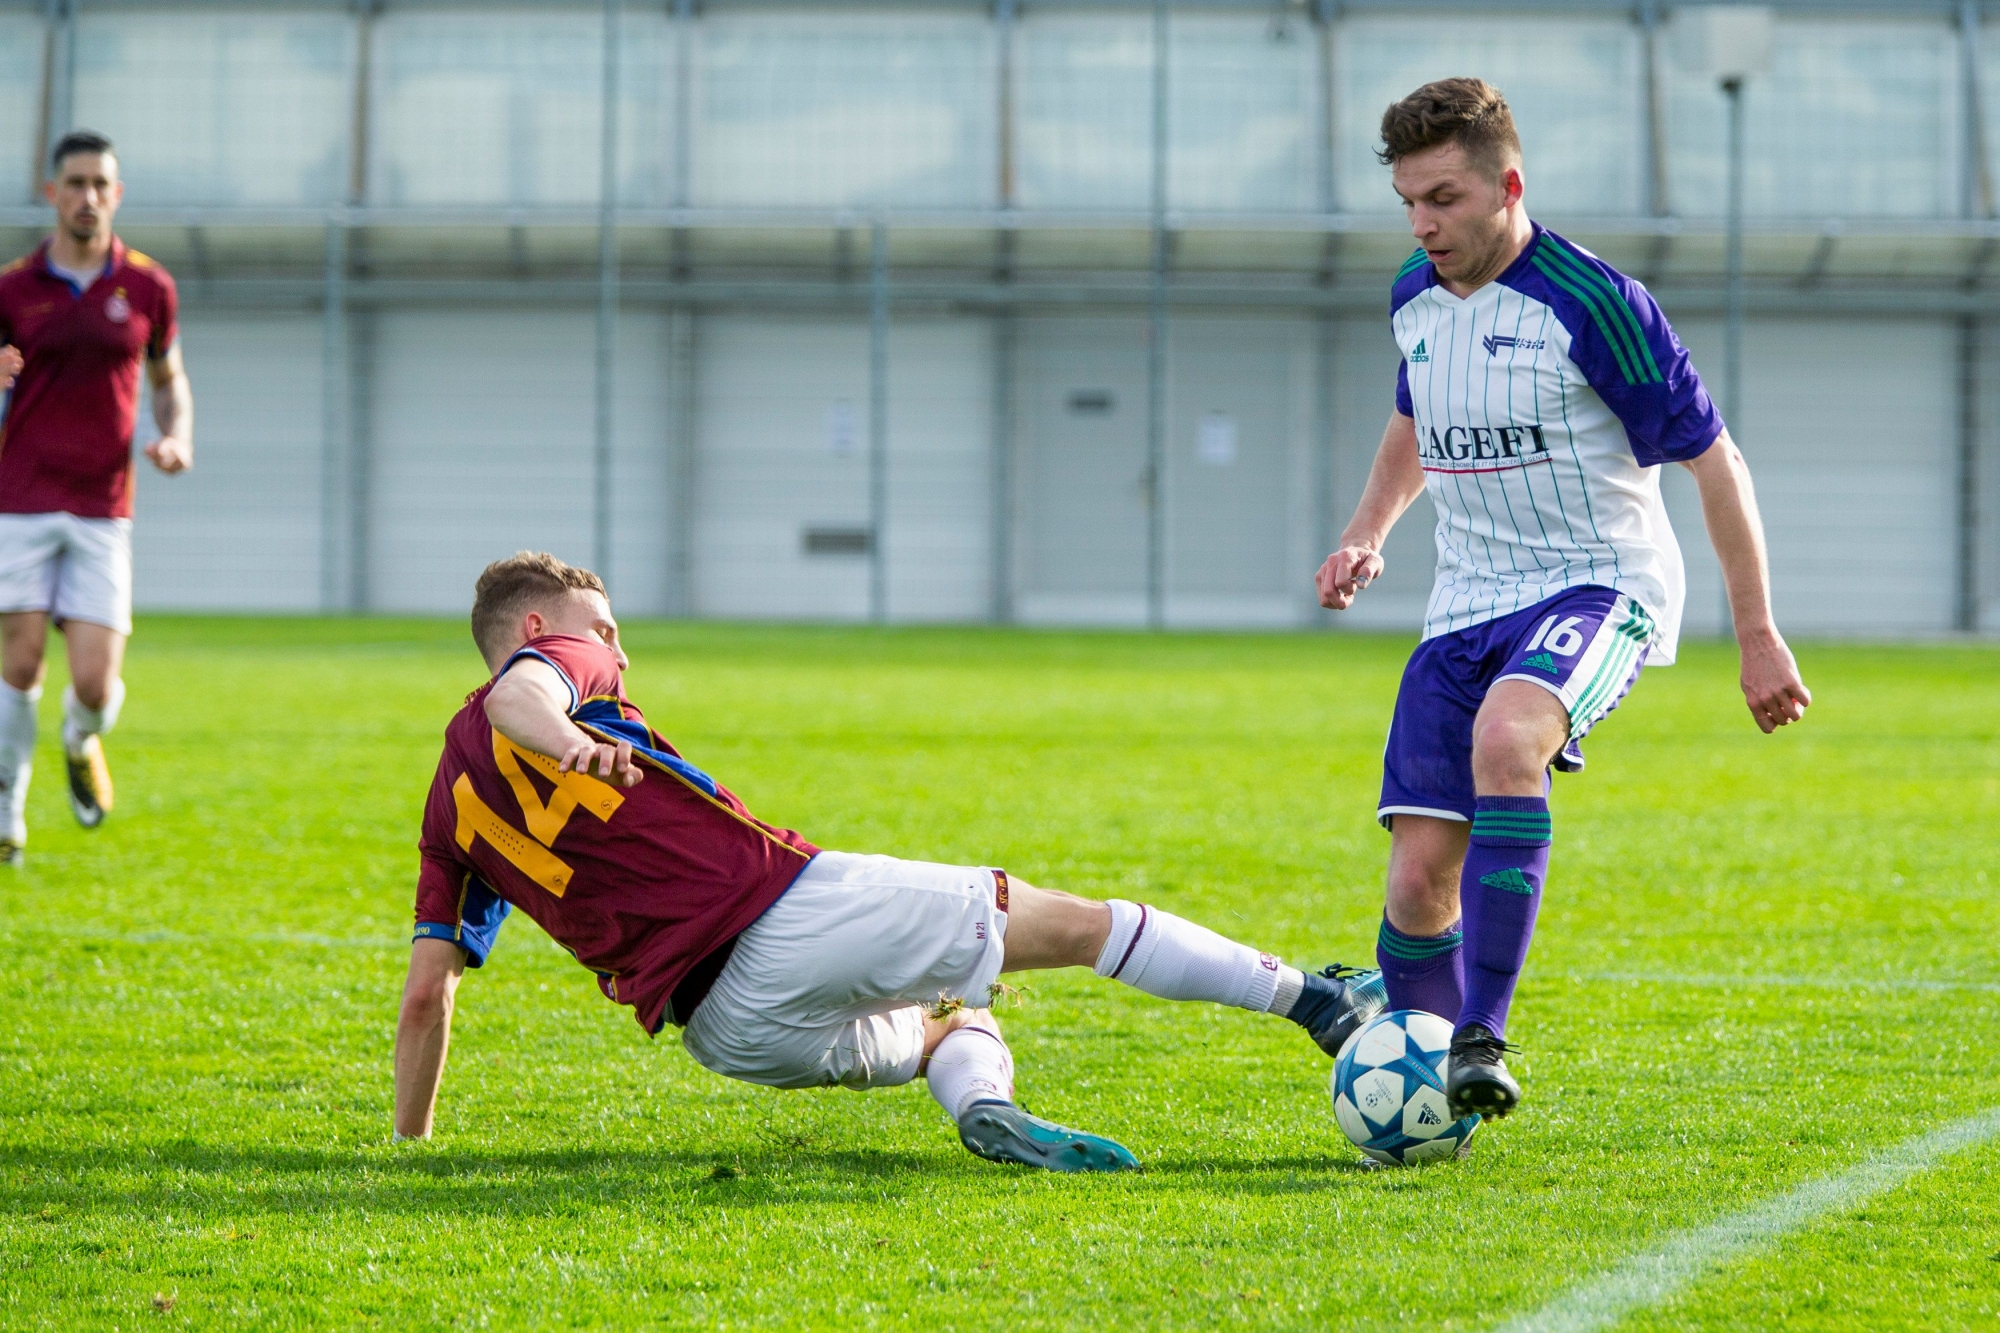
843 427
1215 439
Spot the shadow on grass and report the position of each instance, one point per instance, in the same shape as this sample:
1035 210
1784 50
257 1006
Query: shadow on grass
186 1176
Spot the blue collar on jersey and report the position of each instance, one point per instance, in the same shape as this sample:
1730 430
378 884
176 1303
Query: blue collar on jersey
604 715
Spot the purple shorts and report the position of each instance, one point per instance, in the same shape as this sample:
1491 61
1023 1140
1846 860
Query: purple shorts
1584 645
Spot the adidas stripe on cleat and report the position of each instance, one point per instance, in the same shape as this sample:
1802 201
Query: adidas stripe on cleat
1004 1132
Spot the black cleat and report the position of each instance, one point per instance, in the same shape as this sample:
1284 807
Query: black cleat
11 853
89 783
1479 1083
1336 1002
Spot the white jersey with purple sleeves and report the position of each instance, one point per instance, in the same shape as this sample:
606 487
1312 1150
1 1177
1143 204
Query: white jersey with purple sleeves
1544 404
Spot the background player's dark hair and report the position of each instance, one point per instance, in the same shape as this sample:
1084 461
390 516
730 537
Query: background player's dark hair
1471 113
513 587
80 141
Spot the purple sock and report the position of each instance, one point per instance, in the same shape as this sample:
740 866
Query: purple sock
1424 972
1499 891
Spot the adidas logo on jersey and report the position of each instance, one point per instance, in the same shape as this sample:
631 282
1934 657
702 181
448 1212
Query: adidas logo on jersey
1543 662
1420 354
1493 342
1509 880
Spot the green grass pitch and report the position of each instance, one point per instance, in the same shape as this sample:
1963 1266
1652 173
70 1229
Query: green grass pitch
1762 959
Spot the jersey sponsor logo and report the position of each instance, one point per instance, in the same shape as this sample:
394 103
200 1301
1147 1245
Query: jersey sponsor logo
1493 342
1420 354
1507 446
1543 662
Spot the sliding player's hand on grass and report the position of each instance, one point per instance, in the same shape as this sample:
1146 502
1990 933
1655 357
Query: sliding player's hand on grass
1345 573
612 762
1772 687
10 365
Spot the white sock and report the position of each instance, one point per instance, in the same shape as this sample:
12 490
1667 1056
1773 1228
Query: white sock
971 1065
80 722
17 756
1162 955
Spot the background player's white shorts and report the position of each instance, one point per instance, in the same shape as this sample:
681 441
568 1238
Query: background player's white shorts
829 986
76 568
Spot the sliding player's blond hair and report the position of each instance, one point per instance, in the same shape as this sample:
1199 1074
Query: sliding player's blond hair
523 582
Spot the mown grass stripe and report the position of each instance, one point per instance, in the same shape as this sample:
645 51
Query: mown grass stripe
1653 1276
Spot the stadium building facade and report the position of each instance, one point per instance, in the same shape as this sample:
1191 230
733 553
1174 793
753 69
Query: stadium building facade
1037 312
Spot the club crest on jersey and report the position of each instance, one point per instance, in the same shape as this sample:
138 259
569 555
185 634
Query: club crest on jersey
118 309
1420 354
1504 445
1493 342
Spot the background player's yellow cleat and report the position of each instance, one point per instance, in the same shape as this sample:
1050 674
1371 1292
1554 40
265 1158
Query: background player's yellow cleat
89 783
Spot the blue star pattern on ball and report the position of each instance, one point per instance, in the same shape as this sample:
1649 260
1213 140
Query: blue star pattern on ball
1388 1090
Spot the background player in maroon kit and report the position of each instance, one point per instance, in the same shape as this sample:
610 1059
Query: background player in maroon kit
783 964
78 318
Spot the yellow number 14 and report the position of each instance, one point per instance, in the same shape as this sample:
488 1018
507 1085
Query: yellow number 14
545 819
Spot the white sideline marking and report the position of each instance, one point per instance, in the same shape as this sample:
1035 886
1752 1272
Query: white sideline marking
1821 983
1651 1277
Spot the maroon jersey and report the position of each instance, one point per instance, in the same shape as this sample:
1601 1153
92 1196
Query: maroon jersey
66 443
640 883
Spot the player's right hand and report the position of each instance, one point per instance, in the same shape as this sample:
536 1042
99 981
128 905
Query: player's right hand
10 365
612 762
1345 573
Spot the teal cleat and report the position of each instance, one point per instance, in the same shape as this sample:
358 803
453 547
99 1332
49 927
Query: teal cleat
1003 1132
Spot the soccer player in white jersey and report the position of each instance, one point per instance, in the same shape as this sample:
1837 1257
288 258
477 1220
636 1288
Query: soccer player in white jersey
1540 391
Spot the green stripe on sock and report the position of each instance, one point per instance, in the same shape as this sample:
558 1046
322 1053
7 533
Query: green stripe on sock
1415 950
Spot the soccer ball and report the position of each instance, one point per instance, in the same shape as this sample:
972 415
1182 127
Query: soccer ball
1388 1090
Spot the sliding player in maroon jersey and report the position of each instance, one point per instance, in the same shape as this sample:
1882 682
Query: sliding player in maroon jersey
781 963
79 317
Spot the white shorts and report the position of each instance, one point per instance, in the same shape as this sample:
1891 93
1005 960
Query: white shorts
75 568
829 987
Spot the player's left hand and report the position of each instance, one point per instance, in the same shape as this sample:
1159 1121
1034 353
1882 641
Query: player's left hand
612 762
10 365
171 454
1772 687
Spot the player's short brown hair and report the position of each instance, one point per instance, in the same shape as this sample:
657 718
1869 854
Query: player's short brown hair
1471 113
512 587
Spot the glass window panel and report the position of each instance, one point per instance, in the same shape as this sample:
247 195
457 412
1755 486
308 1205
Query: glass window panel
808 109
223 107
1084 110
502 107
492 108
22 43
1574 84
1242 92
1856 118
